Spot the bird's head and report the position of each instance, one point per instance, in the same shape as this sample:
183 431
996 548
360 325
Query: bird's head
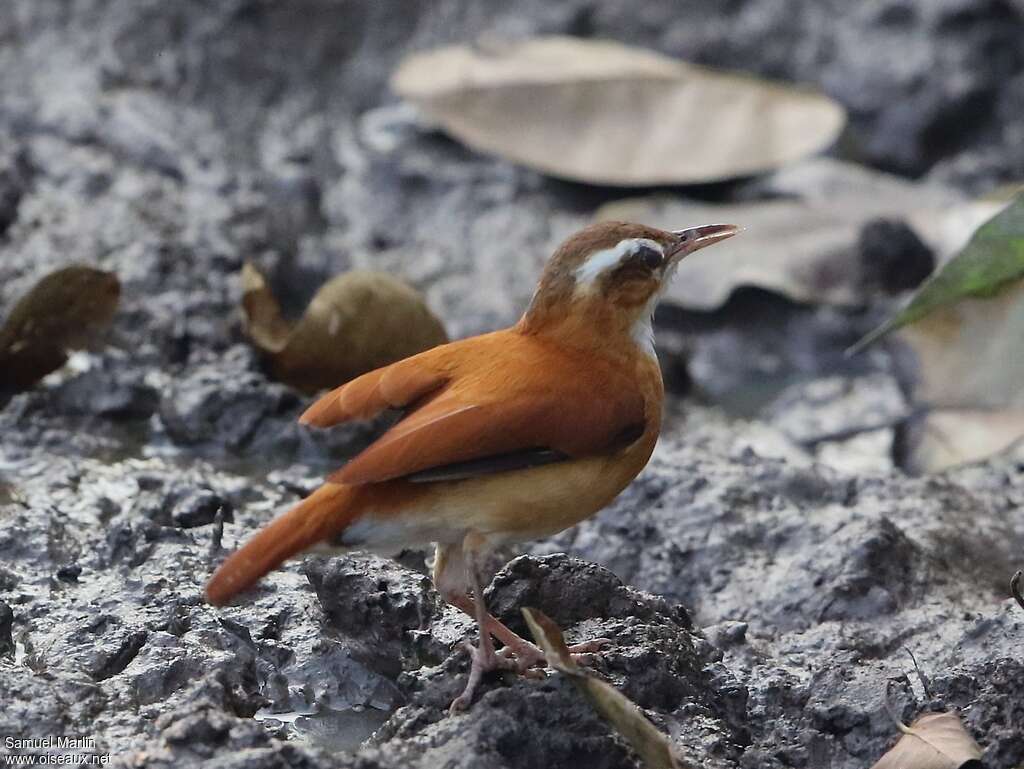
608 277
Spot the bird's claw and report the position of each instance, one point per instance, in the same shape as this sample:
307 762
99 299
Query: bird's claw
521 659
527 655
588 652
590 647
481 662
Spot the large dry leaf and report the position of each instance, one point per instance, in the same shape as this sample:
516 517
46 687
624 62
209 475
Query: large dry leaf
357 322
651 745
66 310
804 250
934 741
605 113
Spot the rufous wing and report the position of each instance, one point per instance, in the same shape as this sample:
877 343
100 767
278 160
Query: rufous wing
391 387
541 403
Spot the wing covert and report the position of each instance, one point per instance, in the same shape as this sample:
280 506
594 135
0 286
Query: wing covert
542 403
396 386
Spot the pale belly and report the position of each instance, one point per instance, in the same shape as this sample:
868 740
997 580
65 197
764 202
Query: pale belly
506 507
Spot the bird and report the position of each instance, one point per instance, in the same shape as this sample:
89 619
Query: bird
504 438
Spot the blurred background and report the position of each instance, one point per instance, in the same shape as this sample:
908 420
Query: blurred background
169 143
208 170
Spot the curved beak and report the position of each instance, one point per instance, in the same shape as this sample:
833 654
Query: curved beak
696 238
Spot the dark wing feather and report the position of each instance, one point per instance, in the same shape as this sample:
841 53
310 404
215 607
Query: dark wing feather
502 463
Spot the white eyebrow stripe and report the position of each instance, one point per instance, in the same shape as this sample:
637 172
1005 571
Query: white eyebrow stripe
601 261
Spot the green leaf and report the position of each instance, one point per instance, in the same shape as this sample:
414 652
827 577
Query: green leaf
993 258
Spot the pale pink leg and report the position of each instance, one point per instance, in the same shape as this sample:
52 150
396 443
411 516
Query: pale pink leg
452 567
484 658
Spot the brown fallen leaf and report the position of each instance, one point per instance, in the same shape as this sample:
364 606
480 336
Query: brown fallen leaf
651 745
355 323
946 438
934 741
66 310
606 113
971 354
264 322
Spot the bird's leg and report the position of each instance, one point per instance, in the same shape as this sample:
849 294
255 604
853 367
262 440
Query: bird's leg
484 658
450 572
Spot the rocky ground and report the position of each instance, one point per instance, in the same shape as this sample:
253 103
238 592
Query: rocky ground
768 582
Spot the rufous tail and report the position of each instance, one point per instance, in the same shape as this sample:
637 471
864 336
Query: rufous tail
321 516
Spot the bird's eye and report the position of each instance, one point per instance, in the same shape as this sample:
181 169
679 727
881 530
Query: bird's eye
651 258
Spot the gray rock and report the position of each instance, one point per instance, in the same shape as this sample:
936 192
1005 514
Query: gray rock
113 392
200 508
388 608
838 408
204 406
569 590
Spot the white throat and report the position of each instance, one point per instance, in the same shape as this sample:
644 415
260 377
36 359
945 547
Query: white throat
643 330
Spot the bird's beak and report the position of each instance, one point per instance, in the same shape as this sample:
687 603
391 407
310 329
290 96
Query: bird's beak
696 238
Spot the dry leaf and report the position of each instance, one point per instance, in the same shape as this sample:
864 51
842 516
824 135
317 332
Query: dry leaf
804 250
357 322
549 637
947 438
605 113
934 741
264 322
971 354
651 745
64 311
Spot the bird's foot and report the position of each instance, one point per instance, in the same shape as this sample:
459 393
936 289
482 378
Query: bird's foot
526 655
483 660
